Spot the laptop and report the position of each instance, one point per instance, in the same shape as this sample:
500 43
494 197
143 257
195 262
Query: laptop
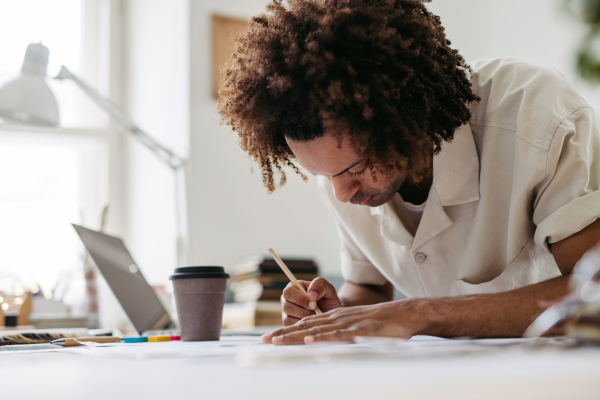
142 306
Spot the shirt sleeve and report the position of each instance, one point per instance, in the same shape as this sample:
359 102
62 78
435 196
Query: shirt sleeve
569 198
356 267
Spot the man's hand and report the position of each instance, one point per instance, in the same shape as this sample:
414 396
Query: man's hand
504 314
393 319
296 305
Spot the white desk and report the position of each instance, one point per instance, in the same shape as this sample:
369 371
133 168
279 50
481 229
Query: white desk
218 370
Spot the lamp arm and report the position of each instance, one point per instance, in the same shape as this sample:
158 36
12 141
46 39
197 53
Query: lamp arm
166 155
175 161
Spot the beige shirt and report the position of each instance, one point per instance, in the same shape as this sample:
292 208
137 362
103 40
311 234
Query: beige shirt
524 172
410 214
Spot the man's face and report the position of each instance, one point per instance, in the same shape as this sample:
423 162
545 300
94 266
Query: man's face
338 162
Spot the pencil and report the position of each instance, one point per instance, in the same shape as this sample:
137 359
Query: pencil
67 342
291 276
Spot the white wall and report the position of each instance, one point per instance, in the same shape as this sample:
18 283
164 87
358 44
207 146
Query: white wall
231 215
539 30
156 95
169 89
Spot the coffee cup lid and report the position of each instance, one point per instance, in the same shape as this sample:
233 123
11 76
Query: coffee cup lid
199 272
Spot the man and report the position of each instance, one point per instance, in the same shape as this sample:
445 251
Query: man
472 190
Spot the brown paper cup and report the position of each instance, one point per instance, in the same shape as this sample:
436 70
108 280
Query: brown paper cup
199 298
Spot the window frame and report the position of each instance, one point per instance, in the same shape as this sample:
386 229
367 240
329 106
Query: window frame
101 179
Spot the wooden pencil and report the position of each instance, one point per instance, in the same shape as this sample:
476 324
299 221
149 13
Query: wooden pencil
291 276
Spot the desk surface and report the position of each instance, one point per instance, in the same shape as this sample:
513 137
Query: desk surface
241 367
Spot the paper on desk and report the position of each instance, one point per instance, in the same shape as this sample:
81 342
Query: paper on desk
227 347
419 347
250 351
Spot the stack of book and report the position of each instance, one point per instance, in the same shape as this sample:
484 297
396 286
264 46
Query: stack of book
257 285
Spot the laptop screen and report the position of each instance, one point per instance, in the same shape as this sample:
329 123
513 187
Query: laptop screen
126 280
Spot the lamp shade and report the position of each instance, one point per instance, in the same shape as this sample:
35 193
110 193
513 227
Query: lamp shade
28 98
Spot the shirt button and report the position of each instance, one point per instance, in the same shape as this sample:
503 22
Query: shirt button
420 257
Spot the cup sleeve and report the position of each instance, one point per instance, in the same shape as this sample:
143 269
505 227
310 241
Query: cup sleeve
568 196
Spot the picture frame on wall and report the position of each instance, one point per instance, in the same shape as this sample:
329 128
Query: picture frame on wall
223 28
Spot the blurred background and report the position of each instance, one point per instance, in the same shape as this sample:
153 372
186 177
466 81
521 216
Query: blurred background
158 60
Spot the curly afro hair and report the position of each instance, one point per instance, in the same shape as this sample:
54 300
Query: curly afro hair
381 71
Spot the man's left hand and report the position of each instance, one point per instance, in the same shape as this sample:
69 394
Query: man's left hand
399 319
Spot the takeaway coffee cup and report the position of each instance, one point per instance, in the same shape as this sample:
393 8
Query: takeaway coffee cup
199 297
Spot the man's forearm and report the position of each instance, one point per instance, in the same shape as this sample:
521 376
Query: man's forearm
486 315
505 314
353 294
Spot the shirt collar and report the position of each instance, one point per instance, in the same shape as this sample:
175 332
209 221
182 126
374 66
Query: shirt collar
455 181
456 169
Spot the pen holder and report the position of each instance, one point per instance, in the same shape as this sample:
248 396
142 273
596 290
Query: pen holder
22 318
25 311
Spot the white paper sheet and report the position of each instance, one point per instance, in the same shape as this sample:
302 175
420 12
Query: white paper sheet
250 351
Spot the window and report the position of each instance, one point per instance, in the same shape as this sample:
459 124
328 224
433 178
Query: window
44 186
50 178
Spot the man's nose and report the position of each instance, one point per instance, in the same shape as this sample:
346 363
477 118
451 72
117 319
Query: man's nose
344 189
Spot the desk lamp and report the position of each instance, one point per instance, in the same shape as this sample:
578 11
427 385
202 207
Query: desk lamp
28 99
